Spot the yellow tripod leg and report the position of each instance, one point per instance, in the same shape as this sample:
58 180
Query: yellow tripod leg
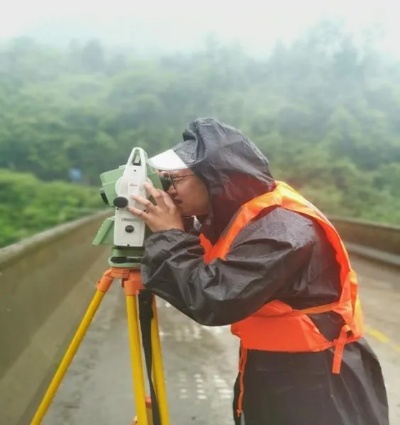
136 359
67 359
159 381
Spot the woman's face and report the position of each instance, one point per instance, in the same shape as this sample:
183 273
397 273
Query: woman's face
189 193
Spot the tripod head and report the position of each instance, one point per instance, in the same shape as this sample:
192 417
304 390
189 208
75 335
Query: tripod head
124 231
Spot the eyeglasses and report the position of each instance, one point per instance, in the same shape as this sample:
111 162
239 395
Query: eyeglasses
167 180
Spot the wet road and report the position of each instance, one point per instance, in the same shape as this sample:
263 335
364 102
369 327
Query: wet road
200 362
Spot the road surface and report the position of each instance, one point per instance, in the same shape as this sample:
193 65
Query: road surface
200 362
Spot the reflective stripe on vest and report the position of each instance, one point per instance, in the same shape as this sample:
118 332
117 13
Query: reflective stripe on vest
276 326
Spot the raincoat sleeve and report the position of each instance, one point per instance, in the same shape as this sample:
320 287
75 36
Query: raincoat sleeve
262 263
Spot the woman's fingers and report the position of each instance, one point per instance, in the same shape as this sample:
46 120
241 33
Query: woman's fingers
148 205
139 213
162 216
167 200
156 194
161 197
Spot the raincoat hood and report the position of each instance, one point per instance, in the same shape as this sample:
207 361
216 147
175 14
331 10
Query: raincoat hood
233 168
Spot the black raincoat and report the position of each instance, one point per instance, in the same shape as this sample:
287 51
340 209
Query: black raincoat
279 255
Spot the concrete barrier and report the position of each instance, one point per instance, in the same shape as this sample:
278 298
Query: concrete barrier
378 242
46 284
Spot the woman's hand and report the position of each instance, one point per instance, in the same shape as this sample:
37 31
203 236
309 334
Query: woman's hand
162 216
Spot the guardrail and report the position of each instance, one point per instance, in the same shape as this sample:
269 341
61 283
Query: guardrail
47 281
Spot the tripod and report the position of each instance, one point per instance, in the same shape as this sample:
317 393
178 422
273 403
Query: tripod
148 410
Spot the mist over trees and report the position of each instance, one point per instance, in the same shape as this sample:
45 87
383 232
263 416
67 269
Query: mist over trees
324 110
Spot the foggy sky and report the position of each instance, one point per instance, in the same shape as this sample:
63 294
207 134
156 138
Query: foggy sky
253 23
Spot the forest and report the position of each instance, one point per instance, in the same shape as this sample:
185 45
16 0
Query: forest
324 109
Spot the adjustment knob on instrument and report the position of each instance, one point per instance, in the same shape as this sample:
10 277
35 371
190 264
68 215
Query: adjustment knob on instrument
120 202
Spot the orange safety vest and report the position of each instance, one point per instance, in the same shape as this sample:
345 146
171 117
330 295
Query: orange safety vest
276 326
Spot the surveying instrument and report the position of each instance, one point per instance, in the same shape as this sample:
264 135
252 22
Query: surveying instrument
126 233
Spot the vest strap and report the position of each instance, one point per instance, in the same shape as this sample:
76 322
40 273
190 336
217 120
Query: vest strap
242 366
339 347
